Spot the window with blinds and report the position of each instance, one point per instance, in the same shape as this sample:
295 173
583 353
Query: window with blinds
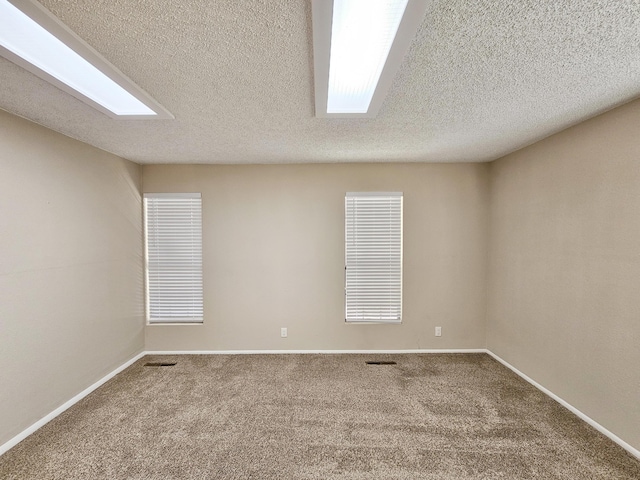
173 234
373 257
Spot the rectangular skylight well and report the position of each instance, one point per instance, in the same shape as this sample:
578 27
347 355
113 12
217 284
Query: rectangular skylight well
32 42
358 46
361 37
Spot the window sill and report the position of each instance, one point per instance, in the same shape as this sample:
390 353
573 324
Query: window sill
174 324
370 322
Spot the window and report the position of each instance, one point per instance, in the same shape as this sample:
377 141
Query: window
173 233
373 257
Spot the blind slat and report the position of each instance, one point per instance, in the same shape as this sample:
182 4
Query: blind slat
373 255
174 257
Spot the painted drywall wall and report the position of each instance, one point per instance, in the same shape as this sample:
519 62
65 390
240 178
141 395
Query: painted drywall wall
563 303
71 299
273 255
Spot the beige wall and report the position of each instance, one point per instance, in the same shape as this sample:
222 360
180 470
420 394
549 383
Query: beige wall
560 221
564 297
70 269
274 255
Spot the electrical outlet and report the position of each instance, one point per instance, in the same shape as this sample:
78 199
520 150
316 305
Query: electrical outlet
438 331
283 332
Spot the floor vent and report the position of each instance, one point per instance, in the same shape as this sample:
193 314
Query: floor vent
160 364
380 363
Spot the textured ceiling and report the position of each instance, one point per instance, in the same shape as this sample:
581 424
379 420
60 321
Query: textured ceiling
482 78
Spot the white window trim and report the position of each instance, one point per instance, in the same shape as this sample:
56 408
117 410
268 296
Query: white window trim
349 317
189 319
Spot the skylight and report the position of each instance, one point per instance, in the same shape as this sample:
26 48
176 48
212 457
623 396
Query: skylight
361 37
358 46
33 38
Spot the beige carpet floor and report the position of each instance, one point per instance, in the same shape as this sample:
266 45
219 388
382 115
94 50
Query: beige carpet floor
432 416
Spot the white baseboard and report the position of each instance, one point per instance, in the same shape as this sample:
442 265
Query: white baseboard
46 419
633 451
316 352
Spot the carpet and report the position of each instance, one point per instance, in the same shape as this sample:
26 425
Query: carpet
429 416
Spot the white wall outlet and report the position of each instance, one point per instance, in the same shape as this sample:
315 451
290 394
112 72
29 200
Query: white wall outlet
438 331
283 332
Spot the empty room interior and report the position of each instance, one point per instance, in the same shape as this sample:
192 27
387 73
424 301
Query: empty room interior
250 271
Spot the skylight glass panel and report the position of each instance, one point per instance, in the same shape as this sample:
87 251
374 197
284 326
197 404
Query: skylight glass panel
362 34
27 39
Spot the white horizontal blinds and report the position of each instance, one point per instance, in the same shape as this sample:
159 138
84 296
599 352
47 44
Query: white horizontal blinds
373 268
174 257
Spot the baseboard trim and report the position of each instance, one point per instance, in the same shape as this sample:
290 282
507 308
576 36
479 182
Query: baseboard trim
46 419
315 352
633 451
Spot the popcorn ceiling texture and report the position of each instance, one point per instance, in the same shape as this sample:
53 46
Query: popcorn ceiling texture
482 78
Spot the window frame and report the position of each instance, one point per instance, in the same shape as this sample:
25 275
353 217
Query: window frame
197 315
395 279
